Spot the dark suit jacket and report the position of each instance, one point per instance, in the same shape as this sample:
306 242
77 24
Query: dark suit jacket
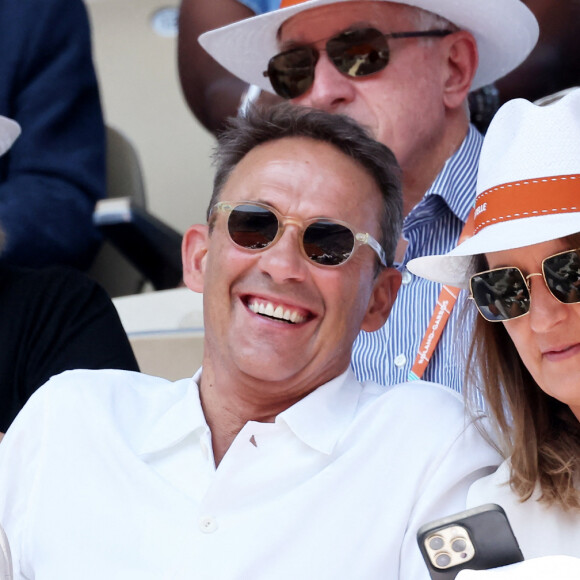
55 172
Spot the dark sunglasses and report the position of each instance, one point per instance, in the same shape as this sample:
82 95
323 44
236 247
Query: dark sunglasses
256 226
355 53
504 293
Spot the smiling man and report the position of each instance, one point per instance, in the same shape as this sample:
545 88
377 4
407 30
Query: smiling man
272 461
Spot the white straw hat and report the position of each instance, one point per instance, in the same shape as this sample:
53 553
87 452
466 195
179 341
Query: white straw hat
9 132
528 186
505 31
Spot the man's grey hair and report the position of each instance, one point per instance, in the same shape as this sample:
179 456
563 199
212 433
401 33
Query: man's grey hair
262 125
425 20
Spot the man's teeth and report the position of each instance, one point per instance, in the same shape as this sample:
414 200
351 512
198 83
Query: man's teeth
267 309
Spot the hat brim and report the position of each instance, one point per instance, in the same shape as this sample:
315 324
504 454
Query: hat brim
505 30
454 268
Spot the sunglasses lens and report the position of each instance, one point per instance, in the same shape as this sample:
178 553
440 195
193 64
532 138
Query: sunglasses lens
252 227
358 53
562 273
328 243
291 73
500 294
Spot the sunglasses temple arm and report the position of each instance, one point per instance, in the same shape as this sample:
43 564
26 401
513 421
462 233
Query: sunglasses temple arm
377 248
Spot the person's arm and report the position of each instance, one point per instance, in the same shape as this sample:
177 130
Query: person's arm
462 457
55 172
76 326
212 93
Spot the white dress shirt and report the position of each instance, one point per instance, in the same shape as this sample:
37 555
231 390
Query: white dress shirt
110 475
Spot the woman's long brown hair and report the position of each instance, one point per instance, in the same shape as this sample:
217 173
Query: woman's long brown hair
539 434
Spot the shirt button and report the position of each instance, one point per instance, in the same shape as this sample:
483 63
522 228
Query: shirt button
400 360
208 525
407 277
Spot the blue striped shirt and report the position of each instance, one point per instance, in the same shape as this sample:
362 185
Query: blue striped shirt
432 227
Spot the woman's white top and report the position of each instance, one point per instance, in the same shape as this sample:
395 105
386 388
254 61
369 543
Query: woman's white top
539 529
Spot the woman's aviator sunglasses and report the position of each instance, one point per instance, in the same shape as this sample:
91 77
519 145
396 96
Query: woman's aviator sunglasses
504 293
355 53
325 242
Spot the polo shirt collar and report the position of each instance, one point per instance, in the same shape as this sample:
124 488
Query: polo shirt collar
320 419
182 418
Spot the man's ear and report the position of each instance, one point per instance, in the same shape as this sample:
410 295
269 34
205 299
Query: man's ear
462 61
384 292
193 255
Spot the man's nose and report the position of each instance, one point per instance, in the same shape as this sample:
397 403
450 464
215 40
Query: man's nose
330 90
283 260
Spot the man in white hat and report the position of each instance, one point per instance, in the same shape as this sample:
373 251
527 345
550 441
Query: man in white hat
404 71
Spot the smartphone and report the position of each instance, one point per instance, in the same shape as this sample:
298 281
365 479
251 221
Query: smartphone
476 539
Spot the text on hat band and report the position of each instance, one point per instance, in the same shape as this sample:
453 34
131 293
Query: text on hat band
527 198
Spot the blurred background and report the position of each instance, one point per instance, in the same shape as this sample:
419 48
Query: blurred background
134 49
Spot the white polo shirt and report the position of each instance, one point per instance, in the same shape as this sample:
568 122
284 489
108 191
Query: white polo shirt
110 475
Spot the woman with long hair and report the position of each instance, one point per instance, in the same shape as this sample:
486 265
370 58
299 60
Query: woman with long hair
522 267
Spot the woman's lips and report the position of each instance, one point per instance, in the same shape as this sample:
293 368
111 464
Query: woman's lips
562 353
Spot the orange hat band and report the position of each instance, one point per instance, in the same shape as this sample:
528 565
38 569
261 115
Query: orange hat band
286 3
528 198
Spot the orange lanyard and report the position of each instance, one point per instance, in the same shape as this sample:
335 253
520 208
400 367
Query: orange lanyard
445 303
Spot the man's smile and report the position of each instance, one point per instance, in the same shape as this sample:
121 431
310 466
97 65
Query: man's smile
276 311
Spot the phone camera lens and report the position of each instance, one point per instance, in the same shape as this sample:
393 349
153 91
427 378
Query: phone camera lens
459 545
443 560
436 542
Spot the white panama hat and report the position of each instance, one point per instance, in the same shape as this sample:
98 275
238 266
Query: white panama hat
506 31
528 186
9 132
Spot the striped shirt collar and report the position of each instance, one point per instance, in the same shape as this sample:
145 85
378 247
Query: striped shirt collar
456 183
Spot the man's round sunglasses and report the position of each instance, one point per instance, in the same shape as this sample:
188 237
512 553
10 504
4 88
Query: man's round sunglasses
355 53
325 242
504 293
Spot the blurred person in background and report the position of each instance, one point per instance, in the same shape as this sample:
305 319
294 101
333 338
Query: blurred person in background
54 174
214 94
52 320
